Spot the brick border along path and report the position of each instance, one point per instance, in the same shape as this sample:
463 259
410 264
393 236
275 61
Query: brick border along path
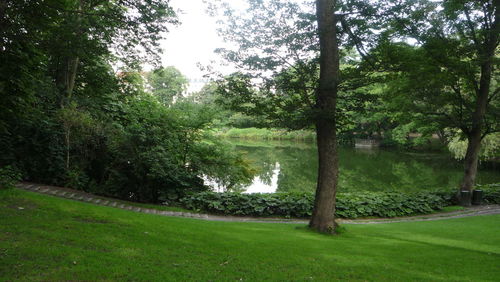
103 201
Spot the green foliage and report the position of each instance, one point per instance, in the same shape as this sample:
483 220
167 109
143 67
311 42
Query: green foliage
269 134
349 205
279 204
219 164
9 176
390 204
66 117
490 147
491 193
160 153
167 84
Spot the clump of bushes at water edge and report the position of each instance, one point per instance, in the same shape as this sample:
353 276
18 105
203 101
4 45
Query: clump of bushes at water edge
269 134
349 205
491 193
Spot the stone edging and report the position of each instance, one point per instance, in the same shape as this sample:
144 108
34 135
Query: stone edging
103 201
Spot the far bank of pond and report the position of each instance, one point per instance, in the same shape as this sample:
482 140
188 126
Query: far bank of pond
292 166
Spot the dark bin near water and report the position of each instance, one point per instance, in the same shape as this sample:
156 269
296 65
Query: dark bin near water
465 198
477 197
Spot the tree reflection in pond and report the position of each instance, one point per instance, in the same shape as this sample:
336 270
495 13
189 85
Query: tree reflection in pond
292 166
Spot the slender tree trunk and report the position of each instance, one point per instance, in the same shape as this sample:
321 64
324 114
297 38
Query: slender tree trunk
67 133
65 82
475 135
326 97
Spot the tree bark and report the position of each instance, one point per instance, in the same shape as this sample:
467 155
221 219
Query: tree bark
66 79
471 161
323 219
65 82
475 135
486 55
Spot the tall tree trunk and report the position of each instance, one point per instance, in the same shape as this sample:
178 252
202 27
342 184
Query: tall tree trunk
486 54
65 82
66 78
326 97
471 161
476 133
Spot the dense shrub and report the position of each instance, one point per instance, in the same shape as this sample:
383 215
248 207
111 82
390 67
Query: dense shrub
269 134
349 205
491 193
389 204
9 176
282 204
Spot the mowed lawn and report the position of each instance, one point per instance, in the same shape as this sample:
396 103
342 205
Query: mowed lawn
47 238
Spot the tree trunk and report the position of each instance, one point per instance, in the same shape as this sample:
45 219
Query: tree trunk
66 78
326 97
476 133
67 132
486 54
65 82
471 161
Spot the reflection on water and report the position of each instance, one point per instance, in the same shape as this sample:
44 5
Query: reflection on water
264 185
292 166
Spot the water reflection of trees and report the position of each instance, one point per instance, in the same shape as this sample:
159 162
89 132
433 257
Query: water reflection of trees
375 170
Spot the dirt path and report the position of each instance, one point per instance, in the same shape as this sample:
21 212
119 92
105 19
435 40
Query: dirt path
103 201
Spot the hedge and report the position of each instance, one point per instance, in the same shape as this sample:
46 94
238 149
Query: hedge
491 193
349 205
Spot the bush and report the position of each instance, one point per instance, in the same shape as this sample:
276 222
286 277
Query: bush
9 176
231 203
491 193
270 134
389 204
349 205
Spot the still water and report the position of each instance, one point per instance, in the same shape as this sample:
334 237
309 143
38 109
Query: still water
292 166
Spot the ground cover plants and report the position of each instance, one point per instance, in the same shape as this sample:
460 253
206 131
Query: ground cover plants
349 205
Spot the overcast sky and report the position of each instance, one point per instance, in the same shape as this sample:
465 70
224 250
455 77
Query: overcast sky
194 41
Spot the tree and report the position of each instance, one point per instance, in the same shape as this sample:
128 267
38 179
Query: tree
280 46
86 31
451 73
326 98
167 84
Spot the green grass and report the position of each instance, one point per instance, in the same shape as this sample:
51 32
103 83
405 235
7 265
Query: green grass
451 209
57 239
269 134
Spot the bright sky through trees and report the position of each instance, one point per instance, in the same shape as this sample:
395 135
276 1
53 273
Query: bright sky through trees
194 41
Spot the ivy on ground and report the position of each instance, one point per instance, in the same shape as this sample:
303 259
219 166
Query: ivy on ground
349 205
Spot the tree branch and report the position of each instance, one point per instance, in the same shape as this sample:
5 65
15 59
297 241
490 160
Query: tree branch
357 42
472 29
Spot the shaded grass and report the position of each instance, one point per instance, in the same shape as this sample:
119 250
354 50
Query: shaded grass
58 239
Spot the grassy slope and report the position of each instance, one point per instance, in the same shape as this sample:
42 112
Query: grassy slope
57 239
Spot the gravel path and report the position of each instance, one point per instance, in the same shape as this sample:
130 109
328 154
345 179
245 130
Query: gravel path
103 201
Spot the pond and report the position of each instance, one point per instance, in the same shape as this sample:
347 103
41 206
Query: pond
292 166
